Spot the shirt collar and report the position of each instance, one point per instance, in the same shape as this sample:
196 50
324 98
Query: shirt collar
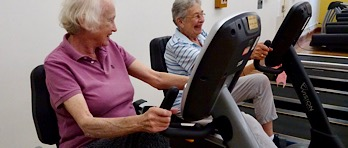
182 38
72 52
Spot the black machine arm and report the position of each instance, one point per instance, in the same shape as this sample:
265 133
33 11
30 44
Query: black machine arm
321 132
285 54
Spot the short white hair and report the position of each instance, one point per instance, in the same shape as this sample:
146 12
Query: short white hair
76 11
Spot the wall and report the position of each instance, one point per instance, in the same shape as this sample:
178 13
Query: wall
29 30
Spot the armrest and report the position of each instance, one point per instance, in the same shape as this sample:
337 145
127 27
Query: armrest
191 131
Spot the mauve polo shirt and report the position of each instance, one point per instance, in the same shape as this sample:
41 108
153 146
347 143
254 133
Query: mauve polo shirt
104 83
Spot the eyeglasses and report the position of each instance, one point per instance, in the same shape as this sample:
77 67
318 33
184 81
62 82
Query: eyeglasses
197 16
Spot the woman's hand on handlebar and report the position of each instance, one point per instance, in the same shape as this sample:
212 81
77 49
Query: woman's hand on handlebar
260 52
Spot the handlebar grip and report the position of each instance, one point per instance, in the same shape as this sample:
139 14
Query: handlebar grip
268 43
257 65
170 97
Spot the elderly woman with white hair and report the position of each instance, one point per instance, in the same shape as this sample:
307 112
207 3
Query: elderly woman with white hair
87 77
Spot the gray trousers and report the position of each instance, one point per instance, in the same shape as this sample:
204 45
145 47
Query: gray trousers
256 87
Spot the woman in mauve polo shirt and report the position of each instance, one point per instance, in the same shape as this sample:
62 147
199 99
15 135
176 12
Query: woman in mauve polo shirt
87 76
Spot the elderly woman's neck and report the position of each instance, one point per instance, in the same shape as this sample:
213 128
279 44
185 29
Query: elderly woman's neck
195 40
82 45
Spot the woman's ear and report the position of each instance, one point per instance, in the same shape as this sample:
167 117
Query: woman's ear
81 22
180 22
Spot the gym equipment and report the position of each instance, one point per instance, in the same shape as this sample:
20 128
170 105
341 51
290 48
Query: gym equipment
328 74
207 92
336 10
285 54
333 34
300 13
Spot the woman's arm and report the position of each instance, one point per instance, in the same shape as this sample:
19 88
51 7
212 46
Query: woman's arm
249 69
260 52
159 80
154 120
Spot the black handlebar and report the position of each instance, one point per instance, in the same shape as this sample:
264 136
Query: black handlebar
170 97
177 129
257 65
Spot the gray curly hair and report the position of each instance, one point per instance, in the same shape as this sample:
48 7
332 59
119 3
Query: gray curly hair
179 9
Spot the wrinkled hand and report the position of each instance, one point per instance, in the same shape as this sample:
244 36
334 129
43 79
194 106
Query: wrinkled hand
156 119
260 52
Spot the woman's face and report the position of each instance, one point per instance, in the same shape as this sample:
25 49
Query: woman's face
107 25
191 24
